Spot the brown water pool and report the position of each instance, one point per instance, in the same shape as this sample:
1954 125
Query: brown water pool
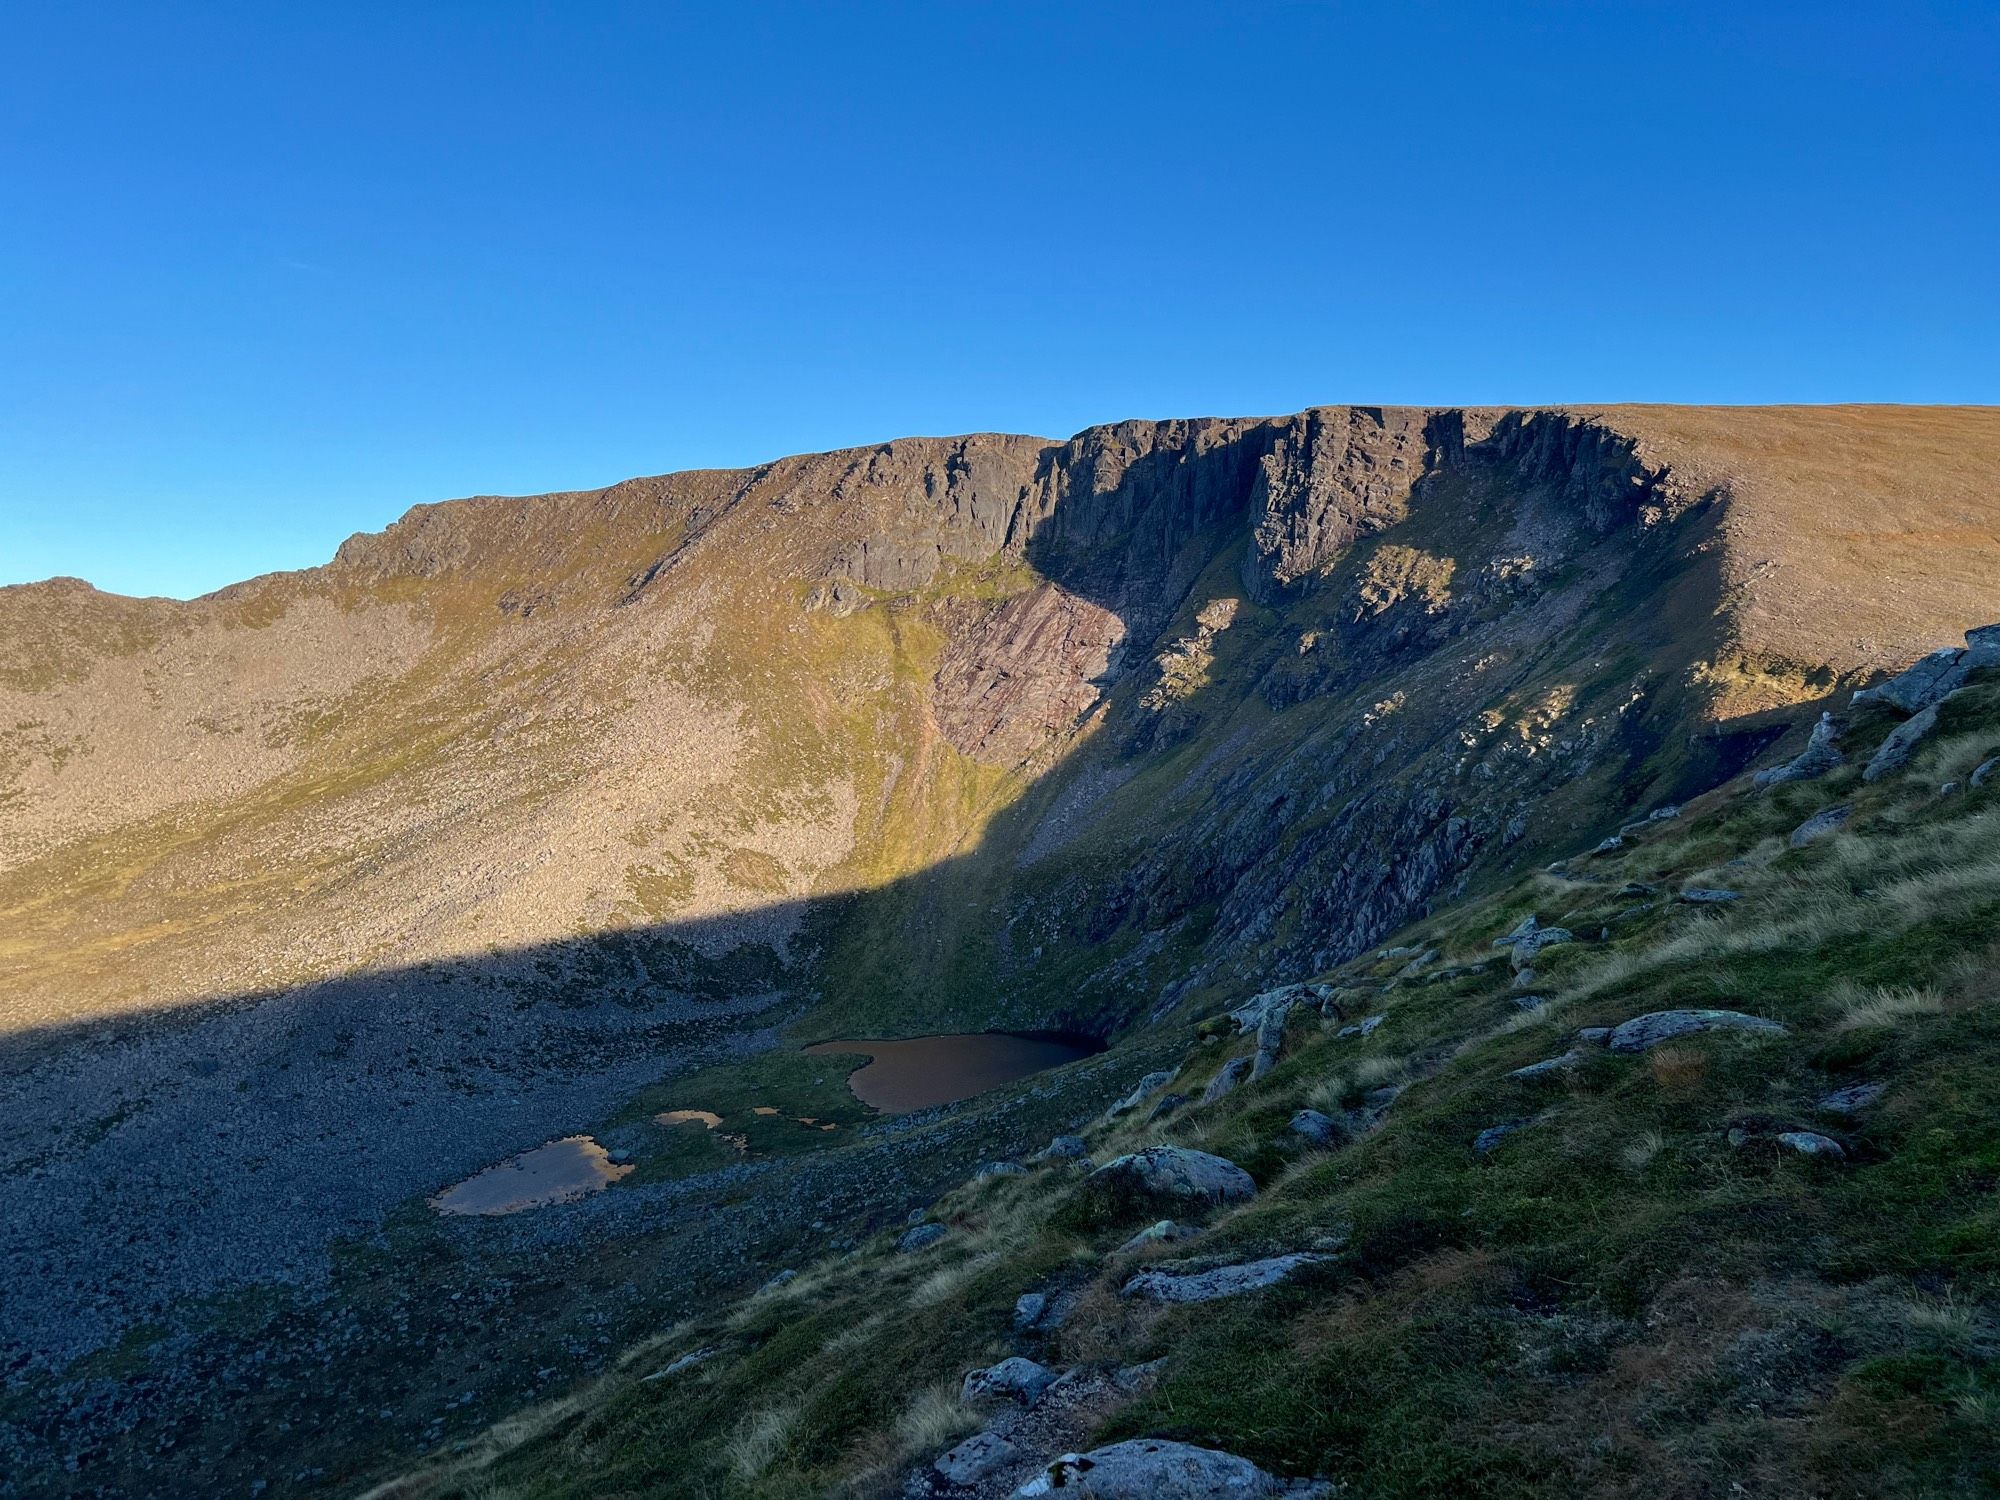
920 1071
556 1173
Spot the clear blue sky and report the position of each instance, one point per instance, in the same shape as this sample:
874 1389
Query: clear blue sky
269 274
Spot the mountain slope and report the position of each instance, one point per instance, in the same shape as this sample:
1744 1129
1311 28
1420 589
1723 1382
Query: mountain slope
323 892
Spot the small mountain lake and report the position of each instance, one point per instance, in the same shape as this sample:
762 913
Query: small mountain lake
556 1173
920 1071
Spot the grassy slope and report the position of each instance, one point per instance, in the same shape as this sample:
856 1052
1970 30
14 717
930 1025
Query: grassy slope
1617 1298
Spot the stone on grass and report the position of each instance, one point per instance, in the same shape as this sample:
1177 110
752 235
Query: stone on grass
1165 1105
1901 744
1214 1285
998 1169
1853 1099
920 1238
1028 1309
1014 1379
1702 895
1812 1143
1162 1232
1920 686
1154 1469
1655 1027
1548 1067
1270 1038
1983 770
980 1455
1493 1135
1595 1035
1362 1028
1173 1174
1224 1082
1065 1148
1146 1086
1820 824
1530 1002
1313 1126
1818 757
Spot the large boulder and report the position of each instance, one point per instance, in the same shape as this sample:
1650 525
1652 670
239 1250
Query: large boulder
1918 687
1643 1032
1171 1177
1224 1082
1818 757
1222 1281
1014 1379
1896 750
1153 1469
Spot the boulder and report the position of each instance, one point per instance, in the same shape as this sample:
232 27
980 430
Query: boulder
1596 1036
1852 1099
1818 757
1029 1308
1065 1148
981 1455
1222 1281
920 1238
1982 647
1154 1469
1313 1126
1983 770
1172 1174
1643 1032
1362 1028
1901 744
1548 1067
1820 824
1812 1143
1921 686
1526 927
1165 1105
1224 1082
1270 1038
1704 895
1014 1379
1144 1088
1529 944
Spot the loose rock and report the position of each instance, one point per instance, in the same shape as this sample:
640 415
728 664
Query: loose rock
974 1459
1818 757
1548 1066
1643 1032
920 1238
1820 824
1014 1379
1706 896
1224 1082
1213 1285
1174 1173
1811 1143
1153 1469
1853 1099
1313 1126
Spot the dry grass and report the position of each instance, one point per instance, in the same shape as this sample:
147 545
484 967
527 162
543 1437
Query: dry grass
760 1437
1677 1068
1883 1006
934 1420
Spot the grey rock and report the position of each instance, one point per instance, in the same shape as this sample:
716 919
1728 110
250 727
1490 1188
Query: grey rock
1655 1027
1529 944
1270 1038
1014 1379
1596 1036
981 1455
920 1238
1818 757
1704 895
1921 686
1662 814
1176 1173
999 1169
1065 1148
1901 744
1812 1143
1982 646
1029 1308
1224 1082
1387 953
1222 1281
1616 841
1165 1105
1362 1028
1548 1066
1416 965
781 1279
1820 824
1313 1126
1852 1099
686 1362
1525 979
1380 1099
1162 1232
1526 927
1145 1087
1983 770
1633 888
1493 1135
1530 1002
1154 1469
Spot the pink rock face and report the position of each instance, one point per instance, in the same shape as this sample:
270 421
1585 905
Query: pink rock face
1024 672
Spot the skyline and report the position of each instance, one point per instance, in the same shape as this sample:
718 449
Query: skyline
277 278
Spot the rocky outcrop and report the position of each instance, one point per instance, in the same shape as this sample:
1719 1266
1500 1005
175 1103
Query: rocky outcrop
1647 1031
1819 757
1895 751
1022 672
1163 1285
1152 1469
1172 1175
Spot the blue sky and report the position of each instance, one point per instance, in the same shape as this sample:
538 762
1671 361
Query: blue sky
270 274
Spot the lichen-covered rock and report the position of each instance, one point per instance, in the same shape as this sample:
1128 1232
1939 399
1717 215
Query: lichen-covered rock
1812 1143
1548 1067
1065 1148
1852 1099
1655 1027
1983 770
1015 1379
1920 686
1818 757
1820 824
1706 895
1221 1281
981 1455
1153 1469
1169 1174
1362 1028
1145 1087
1226 1079
1896 750
920 1238
998 1169
1028 1309
1161 1232
1311 1125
